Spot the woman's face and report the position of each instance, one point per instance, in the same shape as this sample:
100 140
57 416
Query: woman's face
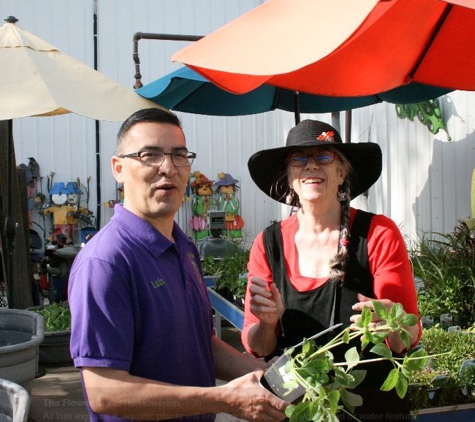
315 173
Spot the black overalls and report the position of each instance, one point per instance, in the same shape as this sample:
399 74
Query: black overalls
307 313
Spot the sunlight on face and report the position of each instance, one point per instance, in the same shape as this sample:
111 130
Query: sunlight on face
152 192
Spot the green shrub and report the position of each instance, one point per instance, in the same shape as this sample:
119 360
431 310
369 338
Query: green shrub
56 317
229 268
446 265
447 351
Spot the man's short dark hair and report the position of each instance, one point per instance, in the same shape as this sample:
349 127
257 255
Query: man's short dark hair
147 115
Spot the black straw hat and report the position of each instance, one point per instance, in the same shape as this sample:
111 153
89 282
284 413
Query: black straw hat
268 167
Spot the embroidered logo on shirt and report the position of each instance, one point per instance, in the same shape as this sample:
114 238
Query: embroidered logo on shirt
157 283
192 259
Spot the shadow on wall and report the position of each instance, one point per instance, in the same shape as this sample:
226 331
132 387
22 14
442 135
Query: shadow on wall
445 197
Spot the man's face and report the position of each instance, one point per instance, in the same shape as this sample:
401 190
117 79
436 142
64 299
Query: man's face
152 192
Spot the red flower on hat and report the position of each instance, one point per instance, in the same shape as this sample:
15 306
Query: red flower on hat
327 136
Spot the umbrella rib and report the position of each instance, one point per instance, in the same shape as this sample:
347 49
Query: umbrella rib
433 36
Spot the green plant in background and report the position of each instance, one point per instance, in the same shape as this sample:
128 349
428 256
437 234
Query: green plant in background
210 265
56 317
229 268
446 265
443 380
328 384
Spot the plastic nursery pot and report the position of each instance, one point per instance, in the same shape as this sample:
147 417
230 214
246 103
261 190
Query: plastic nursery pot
275 377
21 333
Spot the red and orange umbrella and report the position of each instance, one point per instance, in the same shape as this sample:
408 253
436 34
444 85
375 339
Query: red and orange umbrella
342 47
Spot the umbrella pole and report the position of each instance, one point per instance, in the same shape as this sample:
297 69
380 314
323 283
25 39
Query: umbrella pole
9 228
297 107
348 121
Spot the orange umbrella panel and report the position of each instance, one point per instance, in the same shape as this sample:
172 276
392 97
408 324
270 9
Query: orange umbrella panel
389 45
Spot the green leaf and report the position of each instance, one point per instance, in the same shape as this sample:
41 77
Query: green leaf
364 342
391 380
350 400
318 365
299 413
346 336
410 320
379 337
314 411
305 346
397 311
289 410
352 357
401 386
416 360
358 377
342 377
382 350
406 338
380 309
366 316
333 399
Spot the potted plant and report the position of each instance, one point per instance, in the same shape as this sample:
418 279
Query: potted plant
54 350
444 265
229 272
326 386
445 385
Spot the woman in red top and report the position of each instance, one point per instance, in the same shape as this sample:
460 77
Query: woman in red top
329 260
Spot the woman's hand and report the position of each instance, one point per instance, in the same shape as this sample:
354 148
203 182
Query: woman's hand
366 302
266 304
266 301
394 339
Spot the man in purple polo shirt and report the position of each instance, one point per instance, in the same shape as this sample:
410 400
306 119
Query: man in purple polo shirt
142 331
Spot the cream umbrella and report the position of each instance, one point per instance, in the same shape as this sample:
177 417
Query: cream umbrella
37 79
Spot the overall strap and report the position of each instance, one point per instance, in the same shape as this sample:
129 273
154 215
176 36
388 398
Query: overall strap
359 245
272 238
273 246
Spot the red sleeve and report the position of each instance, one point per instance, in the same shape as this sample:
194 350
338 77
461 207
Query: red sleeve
390 265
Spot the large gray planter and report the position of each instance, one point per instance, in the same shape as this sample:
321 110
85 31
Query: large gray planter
54 351
14 402
21 333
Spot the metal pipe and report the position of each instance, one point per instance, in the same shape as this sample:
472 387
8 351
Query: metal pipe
151 36
98 134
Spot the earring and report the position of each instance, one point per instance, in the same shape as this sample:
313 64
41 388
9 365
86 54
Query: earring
341 195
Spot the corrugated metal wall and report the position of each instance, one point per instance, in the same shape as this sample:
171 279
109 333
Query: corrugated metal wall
425 183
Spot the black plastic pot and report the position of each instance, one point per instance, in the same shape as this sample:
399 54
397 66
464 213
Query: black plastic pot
274 379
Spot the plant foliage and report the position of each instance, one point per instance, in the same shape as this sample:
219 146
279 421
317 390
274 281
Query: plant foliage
446 265
229 268
56 317
328 384
444 379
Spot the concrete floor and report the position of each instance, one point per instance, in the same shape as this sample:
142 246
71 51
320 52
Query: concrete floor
57 395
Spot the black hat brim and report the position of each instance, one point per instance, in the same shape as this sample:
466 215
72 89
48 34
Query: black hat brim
268 168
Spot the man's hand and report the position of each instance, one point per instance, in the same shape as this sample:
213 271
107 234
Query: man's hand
248 400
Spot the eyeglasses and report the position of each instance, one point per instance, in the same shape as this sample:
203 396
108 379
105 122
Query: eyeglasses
180 158
321 158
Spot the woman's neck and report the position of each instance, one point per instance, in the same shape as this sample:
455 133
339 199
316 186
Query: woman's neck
318 218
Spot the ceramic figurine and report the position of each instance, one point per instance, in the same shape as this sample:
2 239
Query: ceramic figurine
201 203
226 187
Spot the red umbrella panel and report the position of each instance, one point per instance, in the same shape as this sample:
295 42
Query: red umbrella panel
397 42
